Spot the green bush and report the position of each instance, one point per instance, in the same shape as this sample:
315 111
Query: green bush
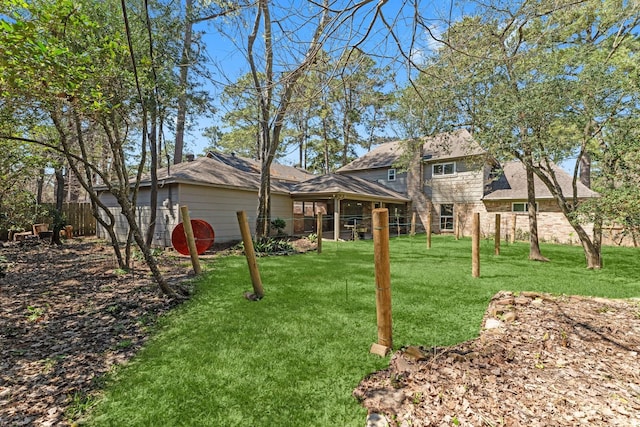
279 225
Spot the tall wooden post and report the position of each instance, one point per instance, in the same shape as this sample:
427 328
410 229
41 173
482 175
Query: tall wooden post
191 241
413 224
336 218
429 229
258 291
513 228
319 232
456 226
383 276
475 246
497 235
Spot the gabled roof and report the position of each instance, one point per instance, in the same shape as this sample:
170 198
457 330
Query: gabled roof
348 186
207 171
245 164
444 146
512 184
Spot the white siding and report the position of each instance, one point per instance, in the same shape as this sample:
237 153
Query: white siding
166 220
218 206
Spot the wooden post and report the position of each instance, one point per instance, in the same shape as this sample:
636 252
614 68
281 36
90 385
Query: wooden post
336 218
513 228
191 241
456 226
497 235
413 224
250 254
429 229
319 232
475 246
383 276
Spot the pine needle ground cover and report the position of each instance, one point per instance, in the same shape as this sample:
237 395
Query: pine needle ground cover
294 358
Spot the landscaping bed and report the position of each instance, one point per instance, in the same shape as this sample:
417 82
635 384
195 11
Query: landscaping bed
540 360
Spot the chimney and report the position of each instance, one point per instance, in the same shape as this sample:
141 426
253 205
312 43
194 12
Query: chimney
190 157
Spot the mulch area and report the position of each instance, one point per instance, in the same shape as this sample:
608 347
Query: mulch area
540 360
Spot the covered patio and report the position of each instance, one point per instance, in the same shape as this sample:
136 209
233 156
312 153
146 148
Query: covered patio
346 203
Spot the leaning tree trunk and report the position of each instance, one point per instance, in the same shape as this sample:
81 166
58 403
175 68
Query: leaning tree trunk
146 251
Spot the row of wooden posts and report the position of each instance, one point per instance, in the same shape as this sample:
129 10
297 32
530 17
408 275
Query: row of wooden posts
381 261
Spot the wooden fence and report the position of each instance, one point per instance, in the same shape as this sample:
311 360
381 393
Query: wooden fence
80 216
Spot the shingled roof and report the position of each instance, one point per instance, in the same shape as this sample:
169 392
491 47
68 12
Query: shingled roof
278 171
444 146
512 184
208 171
348 186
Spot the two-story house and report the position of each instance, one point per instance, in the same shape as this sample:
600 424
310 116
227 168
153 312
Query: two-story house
454 170
457 178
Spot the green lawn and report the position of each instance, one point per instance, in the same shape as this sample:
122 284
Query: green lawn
294 358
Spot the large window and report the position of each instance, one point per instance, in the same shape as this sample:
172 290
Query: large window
441 169
446 217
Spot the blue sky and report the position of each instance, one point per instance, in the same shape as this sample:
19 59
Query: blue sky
228 63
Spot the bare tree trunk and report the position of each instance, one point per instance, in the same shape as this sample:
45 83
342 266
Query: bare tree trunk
40 186
415 177
585 169
57 216
184 72
534 243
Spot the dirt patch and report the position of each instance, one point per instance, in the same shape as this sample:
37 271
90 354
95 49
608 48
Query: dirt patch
539 361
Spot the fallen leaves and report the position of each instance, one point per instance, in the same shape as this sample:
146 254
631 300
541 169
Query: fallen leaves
560 361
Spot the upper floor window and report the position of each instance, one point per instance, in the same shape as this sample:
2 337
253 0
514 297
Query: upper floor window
440 169
391 175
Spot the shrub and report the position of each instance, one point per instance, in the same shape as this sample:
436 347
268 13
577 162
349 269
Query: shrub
279 225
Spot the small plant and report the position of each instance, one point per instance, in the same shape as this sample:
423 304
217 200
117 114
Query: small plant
313 237
279 225
35 313
79 404
272 246
124 344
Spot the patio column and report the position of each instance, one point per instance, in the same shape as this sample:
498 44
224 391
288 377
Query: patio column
336 218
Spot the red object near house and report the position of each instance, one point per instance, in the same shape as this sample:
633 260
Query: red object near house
202 232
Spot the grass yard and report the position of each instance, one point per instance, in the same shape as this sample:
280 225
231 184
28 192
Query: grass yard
294 358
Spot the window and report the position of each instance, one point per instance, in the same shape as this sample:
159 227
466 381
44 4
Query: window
391 175
521 207
440 169
446 217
